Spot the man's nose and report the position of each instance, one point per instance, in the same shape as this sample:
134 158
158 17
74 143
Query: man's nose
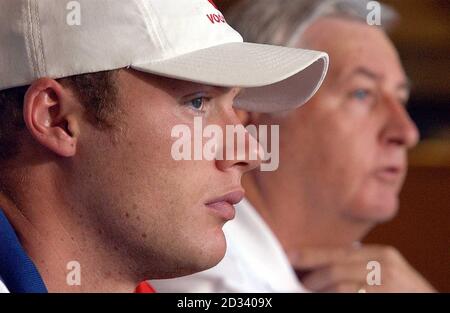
400 129
243 153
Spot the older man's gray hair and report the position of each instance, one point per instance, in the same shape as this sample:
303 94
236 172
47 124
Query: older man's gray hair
282 22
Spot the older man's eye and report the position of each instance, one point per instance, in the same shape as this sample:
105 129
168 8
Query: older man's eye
361 94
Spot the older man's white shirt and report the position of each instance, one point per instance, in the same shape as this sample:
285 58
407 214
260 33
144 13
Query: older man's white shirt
254 261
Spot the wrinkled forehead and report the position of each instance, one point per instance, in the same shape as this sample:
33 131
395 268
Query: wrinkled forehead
353 44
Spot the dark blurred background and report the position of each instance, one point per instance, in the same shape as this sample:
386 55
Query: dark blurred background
422 229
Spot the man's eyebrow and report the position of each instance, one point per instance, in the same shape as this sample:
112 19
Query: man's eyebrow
364 72
406 85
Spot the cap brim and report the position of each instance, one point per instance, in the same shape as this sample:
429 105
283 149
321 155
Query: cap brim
275 78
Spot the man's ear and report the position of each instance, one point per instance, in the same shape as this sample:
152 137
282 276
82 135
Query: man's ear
50 115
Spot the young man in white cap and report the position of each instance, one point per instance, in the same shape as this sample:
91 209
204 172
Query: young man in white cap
91 197
343 160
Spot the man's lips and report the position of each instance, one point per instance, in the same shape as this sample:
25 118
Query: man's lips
223 206
390 174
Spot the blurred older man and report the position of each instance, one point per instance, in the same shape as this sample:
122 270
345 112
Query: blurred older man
343 161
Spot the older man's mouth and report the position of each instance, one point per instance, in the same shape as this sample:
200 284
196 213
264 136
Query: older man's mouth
390 174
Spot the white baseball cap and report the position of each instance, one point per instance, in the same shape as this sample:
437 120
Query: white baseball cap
182 39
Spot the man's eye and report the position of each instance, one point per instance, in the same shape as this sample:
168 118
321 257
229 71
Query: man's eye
361 94
197 103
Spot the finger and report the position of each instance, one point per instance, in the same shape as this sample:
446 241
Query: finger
352 287
346 287
312 258
327 277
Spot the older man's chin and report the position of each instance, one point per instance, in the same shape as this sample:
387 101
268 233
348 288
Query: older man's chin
376 205
382 209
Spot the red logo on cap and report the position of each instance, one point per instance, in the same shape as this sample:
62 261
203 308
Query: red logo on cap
212 2
215 18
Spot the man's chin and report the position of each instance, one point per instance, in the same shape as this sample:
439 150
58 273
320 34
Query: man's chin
384 210
380 203
213 253
203 255
182 270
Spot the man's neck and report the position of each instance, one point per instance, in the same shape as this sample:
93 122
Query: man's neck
295 221
63 245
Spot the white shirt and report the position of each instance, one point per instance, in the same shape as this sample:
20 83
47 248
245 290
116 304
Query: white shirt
254 261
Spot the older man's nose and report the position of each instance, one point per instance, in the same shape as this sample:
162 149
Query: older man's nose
244 155
400 129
